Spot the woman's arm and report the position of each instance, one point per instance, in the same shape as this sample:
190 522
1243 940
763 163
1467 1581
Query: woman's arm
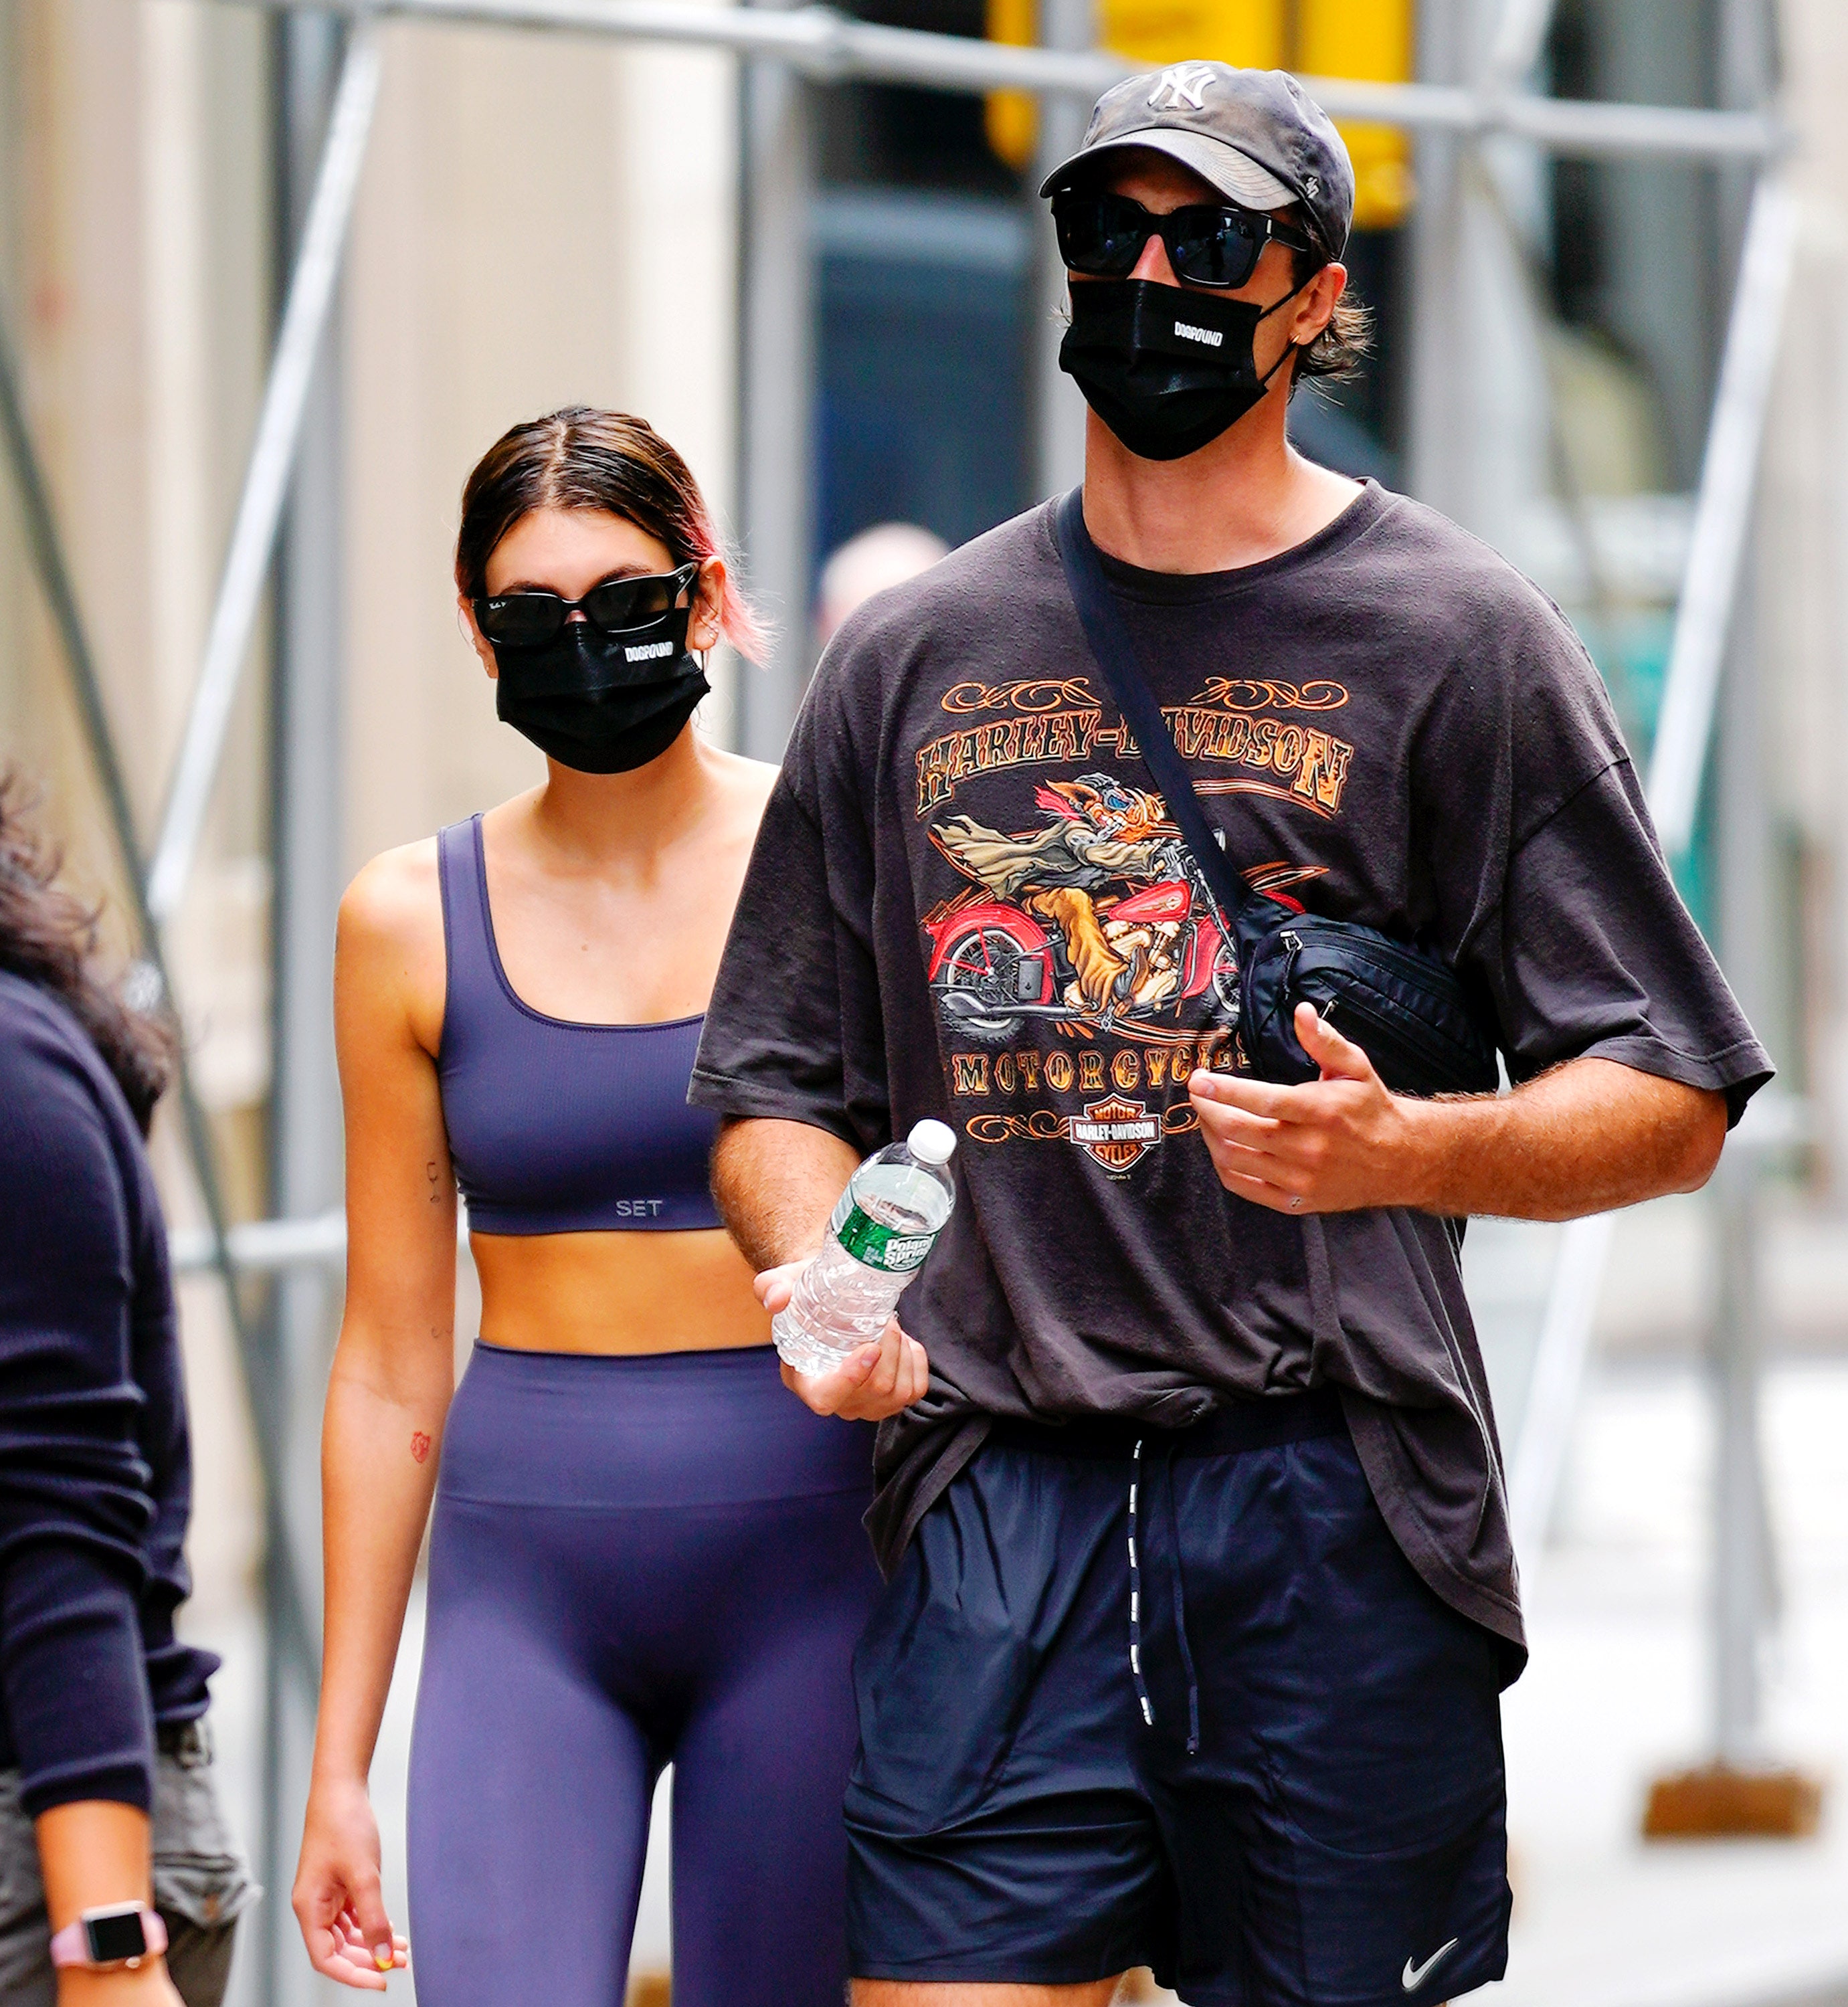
394 1374
92 1854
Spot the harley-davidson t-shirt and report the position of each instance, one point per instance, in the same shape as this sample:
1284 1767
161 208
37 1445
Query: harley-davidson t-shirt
967 900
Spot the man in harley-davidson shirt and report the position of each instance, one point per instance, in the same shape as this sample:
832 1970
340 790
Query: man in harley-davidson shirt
1427 750
1201 1590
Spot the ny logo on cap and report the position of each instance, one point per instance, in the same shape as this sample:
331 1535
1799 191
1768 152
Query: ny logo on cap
1182 87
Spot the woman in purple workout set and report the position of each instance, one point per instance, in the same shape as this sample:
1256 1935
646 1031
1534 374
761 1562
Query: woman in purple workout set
643 1551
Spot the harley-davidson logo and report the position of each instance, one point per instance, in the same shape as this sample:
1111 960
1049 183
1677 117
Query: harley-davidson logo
1117 1133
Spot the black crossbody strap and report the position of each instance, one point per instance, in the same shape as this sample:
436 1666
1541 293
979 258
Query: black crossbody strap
1104 628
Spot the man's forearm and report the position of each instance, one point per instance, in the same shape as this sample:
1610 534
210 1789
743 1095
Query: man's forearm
1589 1136
776 1182
93 1852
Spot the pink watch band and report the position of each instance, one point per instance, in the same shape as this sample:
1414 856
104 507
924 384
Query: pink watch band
70 1946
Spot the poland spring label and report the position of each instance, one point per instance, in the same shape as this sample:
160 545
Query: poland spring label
887 1247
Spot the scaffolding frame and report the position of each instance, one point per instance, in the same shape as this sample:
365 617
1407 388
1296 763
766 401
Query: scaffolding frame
783 52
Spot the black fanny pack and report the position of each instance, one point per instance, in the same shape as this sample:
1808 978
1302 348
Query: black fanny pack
1406 1009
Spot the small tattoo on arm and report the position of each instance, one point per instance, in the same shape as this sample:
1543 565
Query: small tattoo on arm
435 1175
420 1446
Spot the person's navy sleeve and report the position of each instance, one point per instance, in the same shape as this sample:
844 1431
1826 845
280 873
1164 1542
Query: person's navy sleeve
81 1513
177 1672
1596 957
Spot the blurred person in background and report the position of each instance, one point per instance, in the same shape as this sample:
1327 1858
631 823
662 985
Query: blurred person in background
643 1551
1201 1590
118 1881
887 554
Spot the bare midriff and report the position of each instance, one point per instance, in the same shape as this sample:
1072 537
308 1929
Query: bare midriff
617 1292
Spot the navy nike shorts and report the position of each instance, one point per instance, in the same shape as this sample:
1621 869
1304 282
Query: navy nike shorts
1189 1707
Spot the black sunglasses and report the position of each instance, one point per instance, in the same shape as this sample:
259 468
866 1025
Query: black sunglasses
1103 235
527 619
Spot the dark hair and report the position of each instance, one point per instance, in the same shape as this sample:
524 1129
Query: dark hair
1339 353
49 936
580 458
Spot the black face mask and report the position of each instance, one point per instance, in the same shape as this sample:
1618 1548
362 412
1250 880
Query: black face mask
602 703
1167 371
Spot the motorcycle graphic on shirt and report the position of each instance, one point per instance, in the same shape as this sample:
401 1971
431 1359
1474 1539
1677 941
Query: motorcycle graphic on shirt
1100 920
1077 965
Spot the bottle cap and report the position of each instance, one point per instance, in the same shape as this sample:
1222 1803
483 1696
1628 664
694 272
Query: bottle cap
932 1142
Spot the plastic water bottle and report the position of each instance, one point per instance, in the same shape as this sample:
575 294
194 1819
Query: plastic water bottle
893 1208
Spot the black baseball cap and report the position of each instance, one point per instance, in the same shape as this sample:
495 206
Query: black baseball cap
1256 135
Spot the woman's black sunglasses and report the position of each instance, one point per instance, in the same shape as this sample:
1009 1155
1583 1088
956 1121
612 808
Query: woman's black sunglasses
527 619
1103 235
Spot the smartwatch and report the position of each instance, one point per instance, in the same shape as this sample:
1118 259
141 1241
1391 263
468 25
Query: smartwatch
116 1934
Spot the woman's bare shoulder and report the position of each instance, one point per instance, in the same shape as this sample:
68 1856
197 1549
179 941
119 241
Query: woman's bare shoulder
397 898
391 956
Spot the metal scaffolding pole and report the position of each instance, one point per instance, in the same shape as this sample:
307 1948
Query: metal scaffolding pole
1740 1557
1743 1559
1743 1586
776 299
1722 517
1058 405
266 478
269 1246
831 47
1736 1790
1704 618
306 830
1520 36
1740 1591
264 1246
1440 424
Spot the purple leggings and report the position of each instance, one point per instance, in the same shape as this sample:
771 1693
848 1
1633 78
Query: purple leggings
634 1562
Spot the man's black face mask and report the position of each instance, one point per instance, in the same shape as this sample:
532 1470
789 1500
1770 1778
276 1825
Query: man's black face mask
1167 371
602 703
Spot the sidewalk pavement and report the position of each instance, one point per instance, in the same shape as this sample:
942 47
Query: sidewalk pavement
1617 1693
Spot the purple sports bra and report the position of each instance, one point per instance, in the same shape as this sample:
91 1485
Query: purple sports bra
556 1128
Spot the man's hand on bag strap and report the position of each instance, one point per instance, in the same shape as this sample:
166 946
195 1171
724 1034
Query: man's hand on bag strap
1589 1135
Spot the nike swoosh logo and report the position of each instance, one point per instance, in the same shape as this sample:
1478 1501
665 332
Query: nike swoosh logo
1415 1976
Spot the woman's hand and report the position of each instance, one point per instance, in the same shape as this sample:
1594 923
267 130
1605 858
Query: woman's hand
879 1380
338 1900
